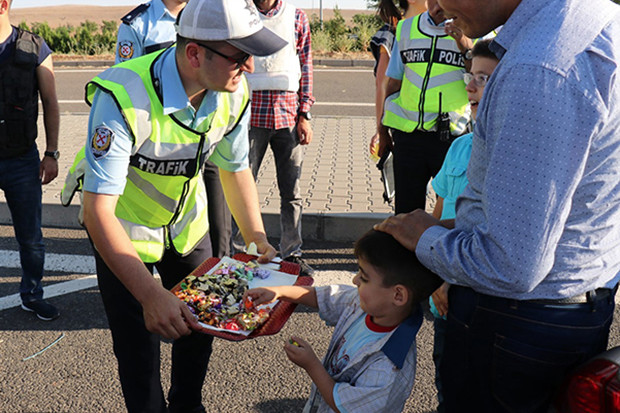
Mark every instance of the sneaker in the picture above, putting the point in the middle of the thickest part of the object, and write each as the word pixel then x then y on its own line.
pixel 43 309
pixel 304 269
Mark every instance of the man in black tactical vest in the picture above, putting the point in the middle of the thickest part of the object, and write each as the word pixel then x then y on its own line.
pixel 26 73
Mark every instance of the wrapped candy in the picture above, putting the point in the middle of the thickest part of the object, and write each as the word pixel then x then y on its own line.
pixel 216 298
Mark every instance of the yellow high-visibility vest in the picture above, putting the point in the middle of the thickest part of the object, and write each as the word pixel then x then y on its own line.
pixel 164 204
pixel 434 67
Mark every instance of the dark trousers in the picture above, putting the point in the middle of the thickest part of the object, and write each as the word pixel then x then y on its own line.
pixel 418 157
pixel 220 220
pixel 19 179
pixel 504 355
pixel 137 350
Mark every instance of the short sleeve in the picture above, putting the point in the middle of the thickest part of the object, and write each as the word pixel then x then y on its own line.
pixel 232 152
pixel 108 147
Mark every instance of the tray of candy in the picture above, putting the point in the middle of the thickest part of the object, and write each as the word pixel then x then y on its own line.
pixel 278 314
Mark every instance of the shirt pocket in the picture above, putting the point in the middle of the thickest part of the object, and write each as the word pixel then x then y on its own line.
pixel 457 179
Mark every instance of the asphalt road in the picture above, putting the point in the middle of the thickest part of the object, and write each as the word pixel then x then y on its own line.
pixel 78 373
pixel 338 91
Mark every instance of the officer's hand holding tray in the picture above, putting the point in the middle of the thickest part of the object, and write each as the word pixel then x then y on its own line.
pixel 214 294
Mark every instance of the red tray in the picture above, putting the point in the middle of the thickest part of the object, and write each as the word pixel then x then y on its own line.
pixel 278 315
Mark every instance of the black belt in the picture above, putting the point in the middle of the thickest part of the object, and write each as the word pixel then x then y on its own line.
pixel 587 297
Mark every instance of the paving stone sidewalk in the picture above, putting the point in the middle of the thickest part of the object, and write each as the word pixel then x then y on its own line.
pixel 340 184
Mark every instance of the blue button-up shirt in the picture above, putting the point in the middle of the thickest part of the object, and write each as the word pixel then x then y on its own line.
pixel 541 215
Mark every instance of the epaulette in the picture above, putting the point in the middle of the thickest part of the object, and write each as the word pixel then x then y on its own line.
pixel 129 17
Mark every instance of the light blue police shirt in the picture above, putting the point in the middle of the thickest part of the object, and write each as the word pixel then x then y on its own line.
pixel 107 174
pixel 152 27
pixel 540 218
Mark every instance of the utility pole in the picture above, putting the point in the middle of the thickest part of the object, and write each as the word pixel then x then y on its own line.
pixel 321 13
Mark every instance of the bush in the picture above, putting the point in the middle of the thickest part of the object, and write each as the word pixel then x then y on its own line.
pixel 88 38
pixel 321 42
pixel 343 43
pixel 365 27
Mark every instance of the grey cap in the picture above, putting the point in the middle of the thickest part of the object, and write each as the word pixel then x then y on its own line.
pixel 234 21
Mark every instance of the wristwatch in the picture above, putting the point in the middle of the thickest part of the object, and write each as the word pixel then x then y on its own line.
pixel 306 115
pixel 467 55
pixel 53 154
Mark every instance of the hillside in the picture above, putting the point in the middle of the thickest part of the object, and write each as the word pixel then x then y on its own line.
pixel 56 16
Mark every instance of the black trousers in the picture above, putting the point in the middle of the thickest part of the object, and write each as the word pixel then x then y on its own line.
pixel 137 349
pixel 220 219
pixel 418 157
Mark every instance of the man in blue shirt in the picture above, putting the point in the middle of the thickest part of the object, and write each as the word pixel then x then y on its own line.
pixel 534 256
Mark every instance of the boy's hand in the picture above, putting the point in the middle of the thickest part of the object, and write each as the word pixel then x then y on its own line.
pixel 300 352
pixel 261 295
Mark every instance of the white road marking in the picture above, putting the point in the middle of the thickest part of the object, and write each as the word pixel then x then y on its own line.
pixel 74 264
pixel 78 264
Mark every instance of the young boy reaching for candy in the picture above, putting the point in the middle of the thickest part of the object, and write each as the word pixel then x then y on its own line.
pixel 371 359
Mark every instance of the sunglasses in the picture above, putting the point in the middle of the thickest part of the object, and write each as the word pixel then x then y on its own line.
pixel 240 61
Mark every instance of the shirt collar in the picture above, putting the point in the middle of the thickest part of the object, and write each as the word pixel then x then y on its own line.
pixel 174 97
pixel 517 20
pixel 432 22
pixel 171 88
pixel 159 9
pixel 274 10
pixel 398 345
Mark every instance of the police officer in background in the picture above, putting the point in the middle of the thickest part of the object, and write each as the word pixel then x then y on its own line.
pixel 154 120
pixel 426 104
pixel 147 29
pixel 27 73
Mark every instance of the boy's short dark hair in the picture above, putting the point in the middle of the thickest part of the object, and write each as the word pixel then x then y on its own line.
pixel 396 264
pixel 481 49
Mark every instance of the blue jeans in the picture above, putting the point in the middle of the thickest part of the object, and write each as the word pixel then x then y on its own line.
pixel 288 157
pixel 504 355
pixel 19 179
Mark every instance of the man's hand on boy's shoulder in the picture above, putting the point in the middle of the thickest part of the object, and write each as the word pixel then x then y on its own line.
pixel 408 228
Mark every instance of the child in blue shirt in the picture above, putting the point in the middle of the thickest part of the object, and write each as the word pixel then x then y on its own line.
pixel 450 182
pixel 371 358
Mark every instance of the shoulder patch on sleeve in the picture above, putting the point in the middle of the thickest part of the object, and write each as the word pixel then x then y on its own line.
pixel 100 141
pixel 125 50
pixel 129 17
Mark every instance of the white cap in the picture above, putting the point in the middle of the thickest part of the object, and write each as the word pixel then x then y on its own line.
pixel 234 21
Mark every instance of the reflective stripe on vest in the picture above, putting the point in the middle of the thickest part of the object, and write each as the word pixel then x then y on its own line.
pixel 164 202
pixel 432 65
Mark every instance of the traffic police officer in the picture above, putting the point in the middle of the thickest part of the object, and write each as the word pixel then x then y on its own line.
pixel 154 120
pixel 427 103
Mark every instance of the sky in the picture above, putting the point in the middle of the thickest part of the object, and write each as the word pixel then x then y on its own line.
pixel 305 4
